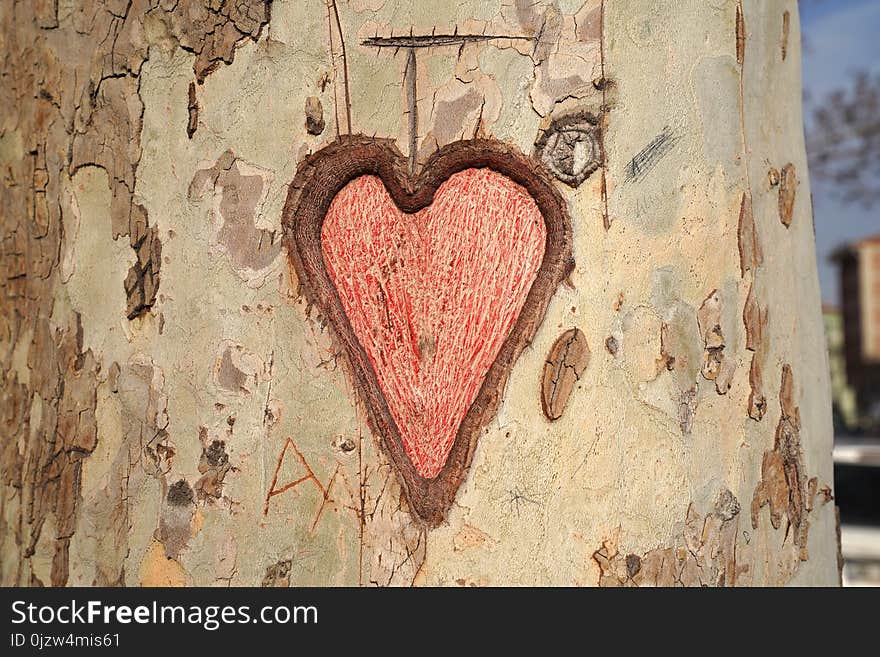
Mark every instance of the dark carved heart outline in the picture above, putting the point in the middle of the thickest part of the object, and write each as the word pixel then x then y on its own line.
pixel 317 182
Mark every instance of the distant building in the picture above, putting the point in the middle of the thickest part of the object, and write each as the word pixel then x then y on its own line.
pixel 860 303
pixel 846 416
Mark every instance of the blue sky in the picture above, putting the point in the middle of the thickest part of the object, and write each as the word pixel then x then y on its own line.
pixel 839 38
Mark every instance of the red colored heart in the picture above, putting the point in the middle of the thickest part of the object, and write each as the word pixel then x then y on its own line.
pixel 432 296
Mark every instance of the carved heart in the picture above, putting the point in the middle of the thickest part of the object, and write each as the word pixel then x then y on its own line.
pixel 432 296
pixel 432 286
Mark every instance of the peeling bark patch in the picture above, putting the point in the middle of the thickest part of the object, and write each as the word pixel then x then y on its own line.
pixel 229 376
pixel 106 131
pixel 687 408
pixel 237 370
pixel 755 319
pixel 215 455
pixel 633 565
pixel 248 246
pixel 750 254
pixel 213 30
pixel 812 489
pixel 53 418
pixel 278 574
pixel 159 569
pixel 344 445
pixel 567 360
pixel 451 115
pixel 681 354
pixel 239 191
pixel 647 158
pixel 611 345
pixel 566 51
pixel 727 506
pixel 213 466
pixel 193 109
pixel 470 537
pixel 180 493
pixel 142 281
pixel 93 61
pixel 570 148
pixel 757 399
pixel 146 451
pixel 716 367
pixel 175 523
pixel 787 188
pixel 314 116
pixel 703 554
pixel 783 485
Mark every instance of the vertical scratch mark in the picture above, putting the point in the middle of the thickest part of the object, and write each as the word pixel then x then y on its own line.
pixel 479 125
pixel 786 26
pixel 361 494
pixel 344 68
pixel 740 35
pixel 412 105
pixel 606 222
pixel 333 61
pixel 740 58
pixel 266 412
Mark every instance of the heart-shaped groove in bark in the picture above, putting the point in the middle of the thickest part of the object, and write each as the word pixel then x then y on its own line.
pixel 320 177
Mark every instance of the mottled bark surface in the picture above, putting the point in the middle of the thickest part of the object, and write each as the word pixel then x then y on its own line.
pixel 173 412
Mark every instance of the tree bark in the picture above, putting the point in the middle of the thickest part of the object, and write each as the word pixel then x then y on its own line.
pixel 179 408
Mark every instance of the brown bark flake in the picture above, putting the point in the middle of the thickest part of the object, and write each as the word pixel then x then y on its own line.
pixel 755 318
pixel 567 360
pixel 783 485
pixel 716 366
pixel 278 574
pixel 314 116
pixel 750 254
pixel 787 188
pixel 193 108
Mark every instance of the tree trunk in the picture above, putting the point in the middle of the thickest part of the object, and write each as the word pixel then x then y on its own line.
pixel 194 395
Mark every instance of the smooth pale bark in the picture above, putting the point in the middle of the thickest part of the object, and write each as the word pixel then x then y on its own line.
pixel 174 413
